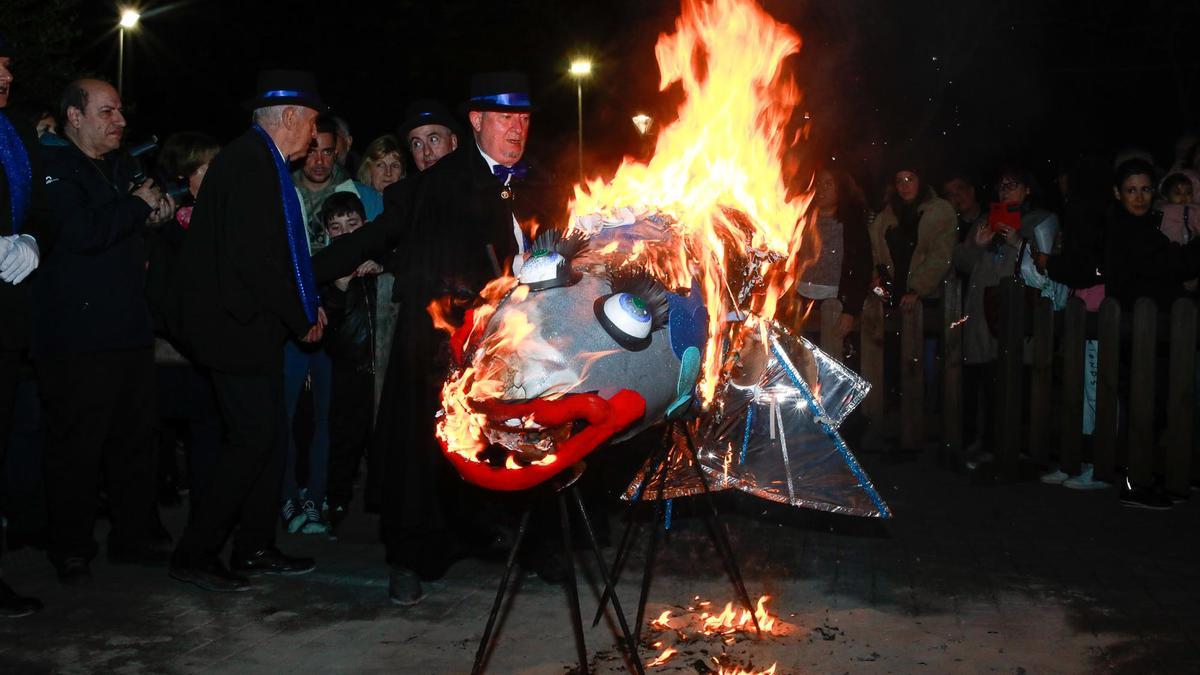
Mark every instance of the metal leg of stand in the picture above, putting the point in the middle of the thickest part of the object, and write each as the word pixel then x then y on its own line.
pixel 627 538
pixel 652 547
pixel 717 530
pixel 484 641
pixel 572 589
pixel 630 644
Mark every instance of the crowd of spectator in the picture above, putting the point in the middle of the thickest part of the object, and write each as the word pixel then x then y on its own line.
pixel 1119 226
pixel 227 320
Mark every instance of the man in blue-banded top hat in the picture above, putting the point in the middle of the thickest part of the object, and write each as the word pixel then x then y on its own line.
pixel 23 232
pixel 244 284
pixel 459 225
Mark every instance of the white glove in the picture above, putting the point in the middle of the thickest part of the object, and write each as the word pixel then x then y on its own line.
pixel 21 259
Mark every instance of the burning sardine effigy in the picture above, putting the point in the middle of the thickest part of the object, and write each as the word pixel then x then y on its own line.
pixel 657 301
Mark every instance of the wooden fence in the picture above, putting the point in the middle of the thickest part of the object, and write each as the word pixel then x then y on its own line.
pixel 1039 385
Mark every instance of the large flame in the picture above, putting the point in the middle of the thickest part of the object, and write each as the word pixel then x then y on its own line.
pixel 719 158
pixel 716 171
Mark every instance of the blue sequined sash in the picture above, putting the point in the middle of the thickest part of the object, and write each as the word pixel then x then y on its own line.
pixel 296 232
pixel 15 161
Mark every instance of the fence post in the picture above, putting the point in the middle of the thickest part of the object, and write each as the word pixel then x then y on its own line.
pixel 1042 380
pixel 1181 395
pixel 871 350
pixel 912 378
pixel 1141 392
pixel 952 364
pixel 1008 375
pixel 831 343
pixel 1104 437
pixel 1074 343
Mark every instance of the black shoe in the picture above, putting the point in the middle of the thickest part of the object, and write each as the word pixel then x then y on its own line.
pixel 152 552
pixel 270 560
pixel 14 606
pixel 1143 497
pixel 73 571
pixel 208 574
pixel 404 587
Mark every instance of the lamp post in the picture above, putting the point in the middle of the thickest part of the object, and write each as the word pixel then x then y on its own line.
pixel 580 68
pixel 641 122
pixel 129 19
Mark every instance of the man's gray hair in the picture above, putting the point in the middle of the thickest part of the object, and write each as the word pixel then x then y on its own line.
pixel 270 116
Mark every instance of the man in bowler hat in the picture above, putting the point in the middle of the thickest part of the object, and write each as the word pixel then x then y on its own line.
pixel 458 229
pixel 244 285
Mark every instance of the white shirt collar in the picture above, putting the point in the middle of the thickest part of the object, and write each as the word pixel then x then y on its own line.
pixel 492 164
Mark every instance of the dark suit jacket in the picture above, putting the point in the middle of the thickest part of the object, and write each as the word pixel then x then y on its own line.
pixel 233 300
pixel 89 293
pixel 15 301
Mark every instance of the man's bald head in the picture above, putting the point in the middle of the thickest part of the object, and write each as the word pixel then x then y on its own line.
pixel 90 112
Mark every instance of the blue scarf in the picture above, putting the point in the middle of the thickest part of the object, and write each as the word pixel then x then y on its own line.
pixel 296 232
pixel 15 161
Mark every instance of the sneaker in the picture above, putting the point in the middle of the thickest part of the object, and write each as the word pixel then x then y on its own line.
pixel 979 459
pixel 311 520
pixel 1085 480
pixel 288 512
pixel 404 588
pixel 1055 477
pixel 1143 498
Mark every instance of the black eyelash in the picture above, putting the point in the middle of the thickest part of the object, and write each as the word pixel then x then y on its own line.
pixel 568 247
pixel 637 281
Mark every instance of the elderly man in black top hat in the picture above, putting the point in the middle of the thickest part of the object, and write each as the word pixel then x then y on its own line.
pixel 456 228
pixel 23 230
pixel 244 284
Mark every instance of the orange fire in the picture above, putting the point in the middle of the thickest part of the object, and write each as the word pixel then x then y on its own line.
pixel 720 158
pixel 731 621
pixel 663 657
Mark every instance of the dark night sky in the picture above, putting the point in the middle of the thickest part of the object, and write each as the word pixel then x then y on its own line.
pixel 971 83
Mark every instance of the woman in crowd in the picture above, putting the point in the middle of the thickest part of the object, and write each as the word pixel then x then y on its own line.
pixel 913 238
pixel 835 261
pixel 383 163
pixel 987 256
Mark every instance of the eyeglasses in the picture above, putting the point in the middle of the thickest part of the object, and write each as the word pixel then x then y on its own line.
pixel 1008 185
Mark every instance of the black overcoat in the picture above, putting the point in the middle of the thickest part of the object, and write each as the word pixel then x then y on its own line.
pixel 89 293
pixel 15 300
pixel 233 300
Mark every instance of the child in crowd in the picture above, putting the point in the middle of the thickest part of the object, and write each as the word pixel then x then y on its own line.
pixel 350 342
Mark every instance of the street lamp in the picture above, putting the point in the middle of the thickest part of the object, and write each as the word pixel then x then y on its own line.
pixel 129 19
pixel 642 122
pixel 580 68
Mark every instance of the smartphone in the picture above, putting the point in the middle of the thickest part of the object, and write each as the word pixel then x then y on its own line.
pixel 1004 213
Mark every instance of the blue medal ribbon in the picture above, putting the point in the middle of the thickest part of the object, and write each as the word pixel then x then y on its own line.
pixel 297 235
pixel 15 161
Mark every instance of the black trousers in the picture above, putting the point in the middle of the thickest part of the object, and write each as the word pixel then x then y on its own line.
pixel 10 372
pixel 353 402
pixel 99 412
pixel 247 478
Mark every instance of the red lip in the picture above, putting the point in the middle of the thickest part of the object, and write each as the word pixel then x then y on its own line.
pixel 604 417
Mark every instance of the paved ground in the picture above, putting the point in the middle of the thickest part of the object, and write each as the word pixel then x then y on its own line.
pixel 1017 578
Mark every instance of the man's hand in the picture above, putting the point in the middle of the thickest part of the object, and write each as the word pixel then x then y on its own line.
pixel 983 235
pixel 20 257
pixel 909 300
pixel 368 268
pixel 148 193
pixel 318 329
pixel 164 211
